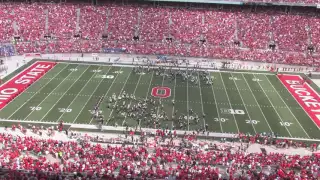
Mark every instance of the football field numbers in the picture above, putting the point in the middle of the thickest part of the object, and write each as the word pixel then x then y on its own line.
pixel 105 76
pixel 252 121
pixel 232 111
pixel 285 123
pixel 33 108
pixel 96 70
pixel 64 110
pixel 256 79
pixel 118 72
pixel 234 78
pixel 221 119
pixel 73 69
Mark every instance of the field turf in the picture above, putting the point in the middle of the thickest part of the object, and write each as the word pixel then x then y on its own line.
pixel 235 102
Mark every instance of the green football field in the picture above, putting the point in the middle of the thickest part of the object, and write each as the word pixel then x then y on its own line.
pixel 235 102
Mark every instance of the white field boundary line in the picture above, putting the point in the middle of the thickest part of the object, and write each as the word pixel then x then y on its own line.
pixel 234 117
pixel 298 102
pixel 257 103
pixel 134 92
pixel 92 95
pixel 234 81
pixel 139 125
pixel 272 106
pixel 288 108
pixel 36 92
pixel 118 95
pixel 63 93
pixel 165 67
pixel 94 74
pixel 120 129
pixel 28 86
pixel 215 100
pixel 200 89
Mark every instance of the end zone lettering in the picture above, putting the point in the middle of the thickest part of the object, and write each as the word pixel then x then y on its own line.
pixel 21 81
pixel 304 94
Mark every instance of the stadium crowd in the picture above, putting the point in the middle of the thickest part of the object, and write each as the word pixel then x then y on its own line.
pixel 259 34
pixel 162 155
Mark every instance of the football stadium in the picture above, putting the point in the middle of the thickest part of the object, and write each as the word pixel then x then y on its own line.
pixel 160 90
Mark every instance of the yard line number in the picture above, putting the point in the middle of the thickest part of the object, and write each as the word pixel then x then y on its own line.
pixel 252 121
pixel 105 76
pixel 73 69
pixel 221 119
pixel 234 78
pixel 35 108
pixel 256 79
pixel 64 110
pixel 285 123
pixel 96 70
pixel 232 111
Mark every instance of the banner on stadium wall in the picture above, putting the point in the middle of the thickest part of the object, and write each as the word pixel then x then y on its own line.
pixel 114 50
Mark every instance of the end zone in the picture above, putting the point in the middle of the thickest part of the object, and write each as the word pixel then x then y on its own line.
pixel 16 85
pixel 304 94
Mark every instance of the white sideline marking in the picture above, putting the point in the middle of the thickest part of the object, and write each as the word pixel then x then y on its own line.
pixel 87 126
pixel 288 108
pixel 78 93
pixel 273 106
pixel 35 93
pixel 257 103
pixel 234 117
pixel 243 104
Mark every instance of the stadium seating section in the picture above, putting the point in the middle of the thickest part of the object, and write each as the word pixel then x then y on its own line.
pixel 254 34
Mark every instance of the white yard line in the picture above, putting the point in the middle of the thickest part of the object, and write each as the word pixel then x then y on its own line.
pixel 36 92
pixel 224 86
pixel 160 98
pixel 117 97
pixel 288 107
pixel 148 91
pixel 79 92
pixel 93 93
pixel 60 96
pixel 204 120
pixel 188 116
pixel 244 105
pixel 299 103
pixel 272 105
pixel 174 98
pixel 215 100
pixel 257 103
pixel 134 92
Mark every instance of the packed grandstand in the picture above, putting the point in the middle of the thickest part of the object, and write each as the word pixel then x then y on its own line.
pixel 272 34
